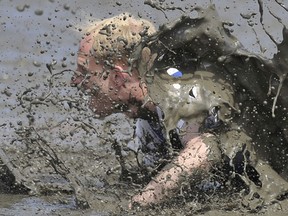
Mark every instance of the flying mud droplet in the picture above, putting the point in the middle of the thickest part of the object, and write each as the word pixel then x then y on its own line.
pixel 39 12
pixel 36 63
pixel 7 92
pixel 247 15
pixel 21 8
pixel 30 74
pixel 66 7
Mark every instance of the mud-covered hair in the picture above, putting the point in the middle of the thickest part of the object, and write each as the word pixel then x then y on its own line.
pixel 117 36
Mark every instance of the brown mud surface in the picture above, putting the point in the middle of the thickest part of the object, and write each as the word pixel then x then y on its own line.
pixel 53 149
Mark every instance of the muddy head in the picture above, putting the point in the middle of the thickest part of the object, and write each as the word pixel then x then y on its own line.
pixel 192 97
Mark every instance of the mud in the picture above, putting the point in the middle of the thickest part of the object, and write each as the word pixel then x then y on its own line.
pixel 53 145
pixel 209 46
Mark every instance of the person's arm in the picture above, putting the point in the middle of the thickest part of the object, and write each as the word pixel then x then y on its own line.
pixel 193 156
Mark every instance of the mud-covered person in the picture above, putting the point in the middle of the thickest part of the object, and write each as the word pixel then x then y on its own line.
pixel 103 73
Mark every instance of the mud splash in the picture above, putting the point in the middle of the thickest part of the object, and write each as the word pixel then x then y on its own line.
pixel 218 70
pixel 205 42
pixel 92 157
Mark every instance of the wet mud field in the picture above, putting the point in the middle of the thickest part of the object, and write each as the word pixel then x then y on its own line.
pixel 57 157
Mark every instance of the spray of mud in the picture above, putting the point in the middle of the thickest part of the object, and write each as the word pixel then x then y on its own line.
pixel 251 89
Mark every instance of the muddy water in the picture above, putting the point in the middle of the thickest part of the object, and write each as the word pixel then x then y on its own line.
pixel 36 34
